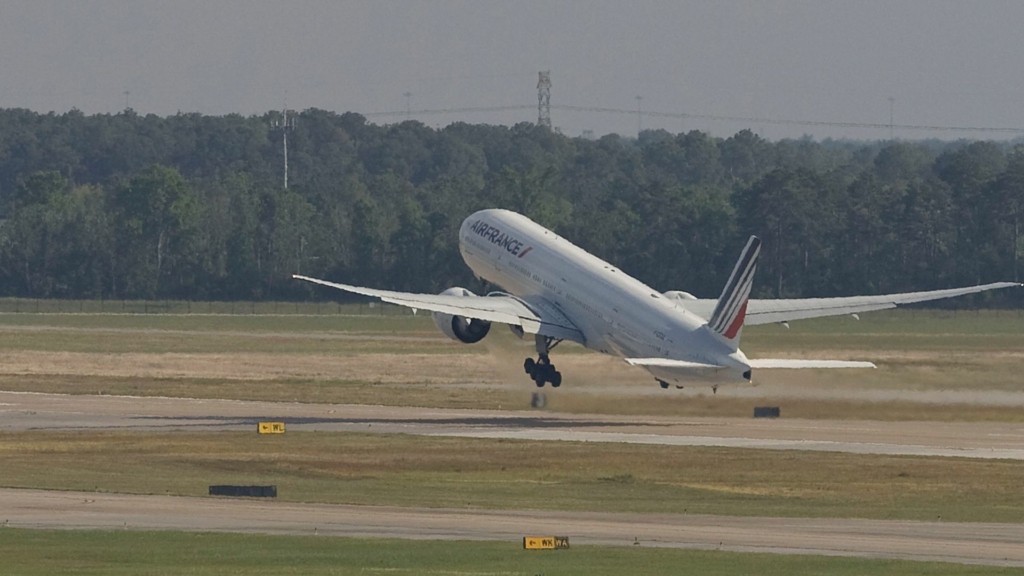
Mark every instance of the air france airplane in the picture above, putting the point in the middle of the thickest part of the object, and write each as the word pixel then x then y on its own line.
pixel 556 291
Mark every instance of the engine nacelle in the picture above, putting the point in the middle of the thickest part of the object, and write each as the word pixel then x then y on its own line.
pixel 465 330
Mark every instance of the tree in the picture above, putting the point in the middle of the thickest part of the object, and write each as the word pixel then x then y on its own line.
pixel 56 241
pixel 925 234
pixel 867 236
pixel 745 156
pixel 1007 196
pixel 189 205
pixel 533 193
pixel 970 172
pixel 790 210
pixel 156 234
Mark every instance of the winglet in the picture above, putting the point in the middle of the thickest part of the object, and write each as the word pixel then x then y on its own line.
pixel 727 318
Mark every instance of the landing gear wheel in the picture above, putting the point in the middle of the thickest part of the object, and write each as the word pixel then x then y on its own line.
pixel 538 379
pixel 542 373
pixel 556 378
pixel 542 370
pixel 529 365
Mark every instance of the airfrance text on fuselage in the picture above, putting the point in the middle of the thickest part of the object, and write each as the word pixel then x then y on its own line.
pixel 499 238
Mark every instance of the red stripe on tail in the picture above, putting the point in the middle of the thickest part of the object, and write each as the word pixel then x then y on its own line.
pixel 737 323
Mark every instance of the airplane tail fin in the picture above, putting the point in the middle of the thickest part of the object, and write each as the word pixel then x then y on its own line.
pixel 727 318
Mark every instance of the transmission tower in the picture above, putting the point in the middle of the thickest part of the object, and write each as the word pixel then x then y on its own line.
pixel 285 124
pixel 544 98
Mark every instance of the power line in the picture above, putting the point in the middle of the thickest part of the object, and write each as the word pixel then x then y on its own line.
pixel 465 110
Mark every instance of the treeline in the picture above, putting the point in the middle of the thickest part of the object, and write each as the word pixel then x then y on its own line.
pixel 194 207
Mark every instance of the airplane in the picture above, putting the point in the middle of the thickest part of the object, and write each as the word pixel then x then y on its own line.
pixel 554 291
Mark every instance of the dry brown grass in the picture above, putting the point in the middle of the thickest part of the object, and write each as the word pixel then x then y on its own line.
pixel 396 368
pixel 926 369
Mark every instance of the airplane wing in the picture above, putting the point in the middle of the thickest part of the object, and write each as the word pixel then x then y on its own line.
pixel 536 316
pixel 784 310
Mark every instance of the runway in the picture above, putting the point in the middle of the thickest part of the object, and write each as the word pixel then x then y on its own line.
pixel 967 543
pixel 973 543
pixel 984 440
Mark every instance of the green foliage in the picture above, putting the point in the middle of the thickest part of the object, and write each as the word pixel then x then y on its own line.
pixel 192 206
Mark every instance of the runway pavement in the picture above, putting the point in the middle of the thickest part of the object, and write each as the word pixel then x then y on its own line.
pixel 987 440
pixel 975 543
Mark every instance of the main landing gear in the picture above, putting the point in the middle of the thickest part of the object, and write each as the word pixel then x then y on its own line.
pixel 542 370
pixel 664 385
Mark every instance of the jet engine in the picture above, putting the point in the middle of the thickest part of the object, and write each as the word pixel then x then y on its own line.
pixel 465 330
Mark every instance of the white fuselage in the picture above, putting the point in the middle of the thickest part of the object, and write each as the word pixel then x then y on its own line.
pixel 616 313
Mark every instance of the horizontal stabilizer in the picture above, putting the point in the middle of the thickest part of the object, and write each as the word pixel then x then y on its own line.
pixel 788 363
pixel 669 363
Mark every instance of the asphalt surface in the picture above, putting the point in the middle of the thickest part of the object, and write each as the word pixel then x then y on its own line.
pixel 989 544
pixel 971 543
pixel 987 440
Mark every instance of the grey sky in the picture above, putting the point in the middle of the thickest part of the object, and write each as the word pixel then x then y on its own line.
pixel 944 63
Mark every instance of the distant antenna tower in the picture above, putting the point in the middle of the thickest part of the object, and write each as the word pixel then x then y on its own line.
pixel 285 124
pixel 544 98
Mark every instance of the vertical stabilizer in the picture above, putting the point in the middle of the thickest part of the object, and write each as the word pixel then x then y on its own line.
pixel 727 319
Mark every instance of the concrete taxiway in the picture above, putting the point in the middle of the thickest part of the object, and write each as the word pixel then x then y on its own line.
pixel 968 543
pixel 986 440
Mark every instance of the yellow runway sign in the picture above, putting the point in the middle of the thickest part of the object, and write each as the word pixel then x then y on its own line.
pixel 271 428
pixel 545 542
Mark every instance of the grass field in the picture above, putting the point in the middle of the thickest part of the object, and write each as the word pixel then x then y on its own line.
pixel 932 365
pixel 939 366
pixel 403 470
pixel 32 552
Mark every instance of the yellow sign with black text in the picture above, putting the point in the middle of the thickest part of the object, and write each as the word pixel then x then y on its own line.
pixel 271 428
pixel 545 542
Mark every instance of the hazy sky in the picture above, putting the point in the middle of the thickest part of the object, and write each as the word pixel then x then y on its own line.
pixel 943 63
